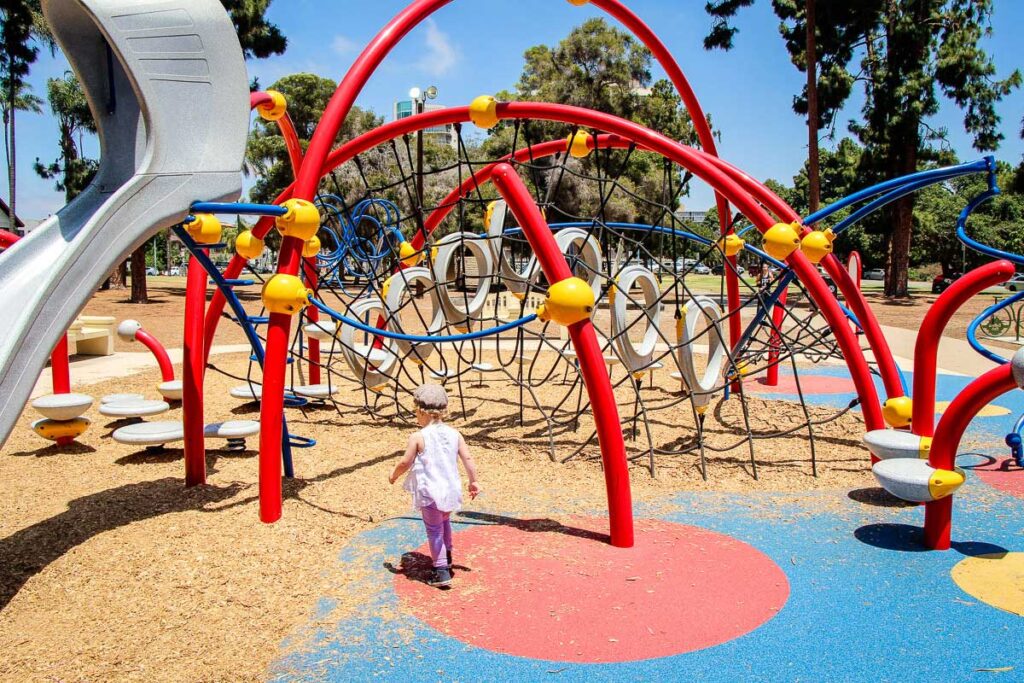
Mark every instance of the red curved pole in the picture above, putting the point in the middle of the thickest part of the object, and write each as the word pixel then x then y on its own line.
pixel 706 167
pixel 926 349
pixel 854 297
pixel 584 341
pixel 193 367
pixel 700 126
pixel 291 142
pixel 368 61
pixel 7 238
pixel 158 350
pixel 938 514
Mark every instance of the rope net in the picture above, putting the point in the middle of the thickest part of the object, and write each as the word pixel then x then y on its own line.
pixel 458 310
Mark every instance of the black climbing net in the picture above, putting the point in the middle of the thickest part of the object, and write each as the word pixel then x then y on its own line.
pixel 616 214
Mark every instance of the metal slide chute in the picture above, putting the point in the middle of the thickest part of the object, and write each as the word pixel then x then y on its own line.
pixel 167 85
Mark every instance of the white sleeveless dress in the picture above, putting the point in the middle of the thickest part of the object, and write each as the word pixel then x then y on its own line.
pixel 434 476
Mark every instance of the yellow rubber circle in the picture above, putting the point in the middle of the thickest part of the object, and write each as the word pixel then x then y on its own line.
pixel 996 579
pixel 991 410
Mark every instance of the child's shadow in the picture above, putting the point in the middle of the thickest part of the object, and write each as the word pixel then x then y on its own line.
pixel 419 567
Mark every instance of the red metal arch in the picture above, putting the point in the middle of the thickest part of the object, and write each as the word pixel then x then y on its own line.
pixel 720 176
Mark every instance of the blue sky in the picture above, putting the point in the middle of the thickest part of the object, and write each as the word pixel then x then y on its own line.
pixel 472 48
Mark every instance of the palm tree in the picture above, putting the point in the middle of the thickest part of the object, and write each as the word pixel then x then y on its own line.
pixel 18 97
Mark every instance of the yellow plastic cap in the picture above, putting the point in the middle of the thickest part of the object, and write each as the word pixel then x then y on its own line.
pixel 409 254
pixel 483 111
pixel 285 294
pixel 205 229
pixel 489 213
pixel 781 240
pixel 731 244
pixel 248 245
pixel 924 448
pixel 943 483
pixel 817 245
pixel 578 3
pixel 579 144
pixel 275 109
pixel 311 247
pixel 568 302
pixel 898 411
pixel 301 221
pixel 61 429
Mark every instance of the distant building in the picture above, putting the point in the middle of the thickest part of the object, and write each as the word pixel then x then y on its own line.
pixel 441 135
pixel 5 220
pixel 691 216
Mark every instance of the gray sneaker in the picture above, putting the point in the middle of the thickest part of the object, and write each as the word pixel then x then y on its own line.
pixel 442 577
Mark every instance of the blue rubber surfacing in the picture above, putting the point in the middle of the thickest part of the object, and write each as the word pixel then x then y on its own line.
pixel 866 601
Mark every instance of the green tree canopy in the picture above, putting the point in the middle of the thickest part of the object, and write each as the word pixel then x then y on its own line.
pixel 71 171
pixel 598 67
pixel 910 52
pixel 267 154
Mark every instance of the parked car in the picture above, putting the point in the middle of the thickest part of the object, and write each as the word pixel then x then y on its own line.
pixel 940 283
pixel 701 269
pixel 174 272
pixel 874 274
pixel 151 271
pixel 832 286
pixel 719 268
pixel 1016 283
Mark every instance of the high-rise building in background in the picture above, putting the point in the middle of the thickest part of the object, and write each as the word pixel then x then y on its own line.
pixel 440 135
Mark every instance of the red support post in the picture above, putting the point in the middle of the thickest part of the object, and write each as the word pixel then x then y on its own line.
pixel 272 401
pixel 60 371
pixel 193 368
pixel 775 342
pixel 312 315
pixel 60 368
pixel 938 515
pixel 926 349
pixel 584 341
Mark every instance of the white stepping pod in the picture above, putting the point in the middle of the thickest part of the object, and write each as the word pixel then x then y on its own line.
pixel 886 444
pixel 62 406
pixel 142 408
pixel 171 390
pixel 915 480
pixel 167 86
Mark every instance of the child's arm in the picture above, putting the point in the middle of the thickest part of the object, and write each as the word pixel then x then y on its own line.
pixel 415 446
pixel 467 462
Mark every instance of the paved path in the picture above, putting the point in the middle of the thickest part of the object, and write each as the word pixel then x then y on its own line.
pixel 86 370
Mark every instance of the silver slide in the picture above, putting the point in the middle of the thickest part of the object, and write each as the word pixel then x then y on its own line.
pixel 167 85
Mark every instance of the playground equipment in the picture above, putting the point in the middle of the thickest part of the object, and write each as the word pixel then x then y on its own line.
pixel 156 435
pixel 169 388
pixel 376 260
pixel 167 88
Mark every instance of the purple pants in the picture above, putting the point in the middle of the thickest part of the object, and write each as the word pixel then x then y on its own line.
pixel 439 533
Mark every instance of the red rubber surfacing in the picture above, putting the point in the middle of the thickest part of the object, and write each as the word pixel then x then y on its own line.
pixel 538 589
pixel 1003 475
pixel 809 384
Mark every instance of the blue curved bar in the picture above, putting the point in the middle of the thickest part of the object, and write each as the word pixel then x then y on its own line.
pixel 439 339
pixel 972 329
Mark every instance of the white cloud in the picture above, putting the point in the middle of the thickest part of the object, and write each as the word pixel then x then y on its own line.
pixel 343 45
pixel 441 54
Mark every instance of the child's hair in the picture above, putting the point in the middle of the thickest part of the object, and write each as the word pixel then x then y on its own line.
pixel 431 399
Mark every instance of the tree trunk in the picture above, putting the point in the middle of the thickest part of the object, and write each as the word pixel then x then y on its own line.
pixel 139 294
pixel 12 153
pixel 898 261
pixel 813 171
pixel 119 278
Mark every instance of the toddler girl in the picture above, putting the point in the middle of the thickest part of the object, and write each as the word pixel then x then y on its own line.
pixel 431 460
